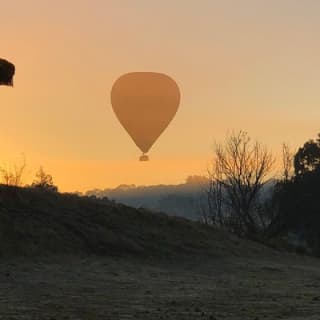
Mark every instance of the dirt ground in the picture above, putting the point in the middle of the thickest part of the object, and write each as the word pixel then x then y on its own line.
pixel 280 287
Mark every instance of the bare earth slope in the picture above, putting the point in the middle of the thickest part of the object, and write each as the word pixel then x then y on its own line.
pixel 68 258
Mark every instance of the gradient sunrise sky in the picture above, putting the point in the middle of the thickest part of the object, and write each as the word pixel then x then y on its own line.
pixel 241 64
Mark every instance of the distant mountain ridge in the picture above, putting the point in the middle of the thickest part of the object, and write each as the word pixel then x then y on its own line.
pixel 179 200
pixel 183 200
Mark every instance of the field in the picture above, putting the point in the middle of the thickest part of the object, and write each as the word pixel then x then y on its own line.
pixel 278 287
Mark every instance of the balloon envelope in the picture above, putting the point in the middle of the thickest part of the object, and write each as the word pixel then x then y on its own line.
pixel 145 103
pixel 7 70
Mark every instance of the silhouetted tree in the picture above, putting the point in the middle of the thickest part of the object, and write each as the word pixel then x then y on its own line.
pixel 297 198
pixel 44 181
pixel 287 162
pixel 214 212
pixel 12 174
pixel 240 169
pixel 308 157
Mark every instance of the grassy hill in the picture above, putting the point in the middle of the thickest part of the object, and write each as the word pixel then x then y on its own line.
pixel 35 222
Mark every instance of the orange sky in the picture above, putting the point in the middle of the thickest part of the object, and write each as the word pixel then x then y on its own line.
pixel 249 64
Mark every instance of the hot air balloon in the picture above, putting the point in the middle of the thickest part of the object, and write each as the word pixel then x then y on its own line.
pixel 7 70
pixel 145 103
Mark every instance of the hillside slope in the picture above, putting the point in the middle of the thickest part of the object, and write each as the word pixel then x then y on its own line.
pixel 34 222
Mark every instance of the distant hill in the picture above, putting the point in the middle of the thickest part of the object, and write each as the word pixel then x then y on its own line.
pixel 34 222
pixel 182 200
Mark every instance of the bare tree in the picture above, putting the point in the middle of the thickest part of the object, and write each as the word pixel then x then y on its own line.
pixel 203 213
pixel 272 209
pixel 214 195
pixel 12 174
pixel 287 162
pixel 240 169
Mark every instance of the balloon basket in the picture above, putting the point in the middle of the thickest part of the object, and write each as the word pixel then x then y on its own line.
pixel 7 70
pixel 144 157
pixel 6 83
